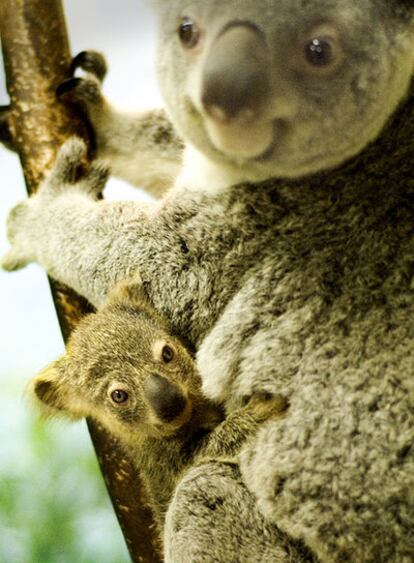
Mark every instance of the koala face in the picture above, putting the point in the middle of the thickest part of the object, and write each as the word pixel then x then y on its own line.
pixel 123 368
pixel 284 87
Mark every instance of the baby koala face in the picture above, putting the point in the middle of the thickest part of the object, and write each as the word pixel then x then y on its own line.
pixel 123 368
pixel 284 88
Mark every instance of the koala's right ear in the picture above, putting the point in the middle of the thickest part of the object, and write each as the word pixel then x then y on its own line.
pixel 49 390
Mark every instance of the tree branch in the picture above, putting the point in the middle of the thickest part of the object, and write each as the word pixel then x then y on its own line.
pixel 37 59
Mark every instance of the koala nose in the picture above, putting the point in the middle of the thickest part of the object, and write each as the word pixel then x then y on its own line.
pixel 165 398
pixel 236 75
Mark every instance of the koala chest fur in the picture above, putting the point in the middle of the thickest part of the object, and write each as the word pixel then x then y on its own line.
pixel 289 257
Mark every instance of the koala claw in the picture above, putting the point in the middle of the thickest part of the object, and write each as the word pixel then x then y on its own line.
pixel 67 86
pixel 6 136
pixel 83 91
pixel 91 62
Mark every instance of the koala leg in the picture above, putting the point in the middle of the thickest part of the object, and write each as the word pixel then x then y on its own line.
pixel 141 148
pixel 212 518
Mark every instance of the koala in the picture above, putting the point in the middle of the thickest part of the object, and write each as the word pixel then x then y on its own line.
pixel 124 368
pixel 283 252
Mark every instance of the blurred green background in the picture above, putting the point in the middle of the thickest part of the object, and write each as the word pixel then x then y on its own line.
pixel 53 506
pixel 53 503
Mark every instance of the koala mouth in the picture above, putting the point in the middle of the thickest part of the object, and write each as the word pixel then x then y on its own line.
pixel 242 139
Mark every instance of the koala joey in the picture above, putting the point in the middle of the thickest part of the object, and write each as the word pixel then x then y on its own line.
pixel 124 368
pixel 283 253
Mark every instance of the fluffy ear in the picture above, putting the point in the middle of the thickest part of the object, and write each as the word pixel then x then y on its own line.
pixel 50 392
pixel 130 294
pixel 129 290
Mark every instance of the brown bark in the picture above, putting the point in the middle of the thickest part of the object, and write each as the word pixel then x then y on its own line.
pixel 37 58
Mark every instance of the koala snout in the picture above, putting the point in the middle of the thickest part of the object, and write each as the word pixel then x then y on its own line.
pixel 236 90
pixel 236 74
pixel 166 400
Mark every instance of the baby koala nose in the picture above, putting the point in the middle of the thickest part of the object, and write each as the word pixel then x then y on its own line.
pixel 236 75
pixel 165 398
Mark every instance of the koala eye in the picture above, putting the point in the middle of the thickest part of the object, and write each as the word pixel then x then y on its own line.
pixel 319 52
pixel 189 33
pixel 167 354
pixel 119 396
pixel 322 49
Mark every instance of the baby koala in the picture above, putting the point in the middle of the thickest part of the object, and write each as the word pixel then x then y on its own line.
pixel 124 368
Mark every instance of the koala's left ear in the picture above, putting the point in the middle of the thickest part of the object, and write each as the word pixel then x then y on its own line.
pixel 131 293
pixel 49 389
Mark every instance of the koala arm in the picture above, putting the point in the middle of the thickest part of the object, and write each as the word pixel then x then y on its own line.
pixel 227 439
pixel 76 238
pixel 241 340
pixel 141 148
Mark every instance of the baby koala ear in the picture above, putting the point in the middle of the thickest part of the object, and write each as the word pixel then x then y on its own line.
pixel 48 389
pixel 130 293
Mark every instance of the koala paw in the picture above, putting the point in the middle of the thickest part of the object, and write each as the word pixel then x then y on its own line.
pixel 263 406
pixel 72 169
pixel 82 91
pixel 26 222
pixel 85 91
pixel 13 261
pixel 19 237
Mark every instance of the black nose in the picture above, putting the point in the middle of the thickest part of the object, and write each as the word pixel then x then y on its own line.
pixel 165 398
pixel 236 75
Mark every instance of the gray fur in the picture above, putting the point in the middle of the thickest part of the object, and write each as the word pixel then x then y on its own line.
pixel 213 518
pixel 142 148
pixel 290 273
pixel 121 348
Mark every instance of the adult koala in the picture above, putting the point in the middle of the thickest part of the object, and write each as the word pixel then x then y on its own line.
pixel 284 254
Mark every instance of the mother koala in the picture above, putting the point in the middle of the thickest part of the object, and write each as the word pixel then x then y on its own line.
pixel 284 253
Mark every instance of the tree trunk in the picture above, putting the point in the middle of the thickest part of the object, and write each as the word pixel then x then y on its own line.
pixel 37 58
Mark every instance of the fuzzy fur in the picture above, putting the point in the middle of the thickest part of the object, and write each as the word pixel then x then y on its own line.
pixel 295 280
pixel 120 348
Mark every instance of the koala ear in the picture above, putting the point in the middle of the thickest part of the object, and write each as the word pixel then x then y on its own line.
pixel 131 294
pixel 130 290
pixel 48 389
